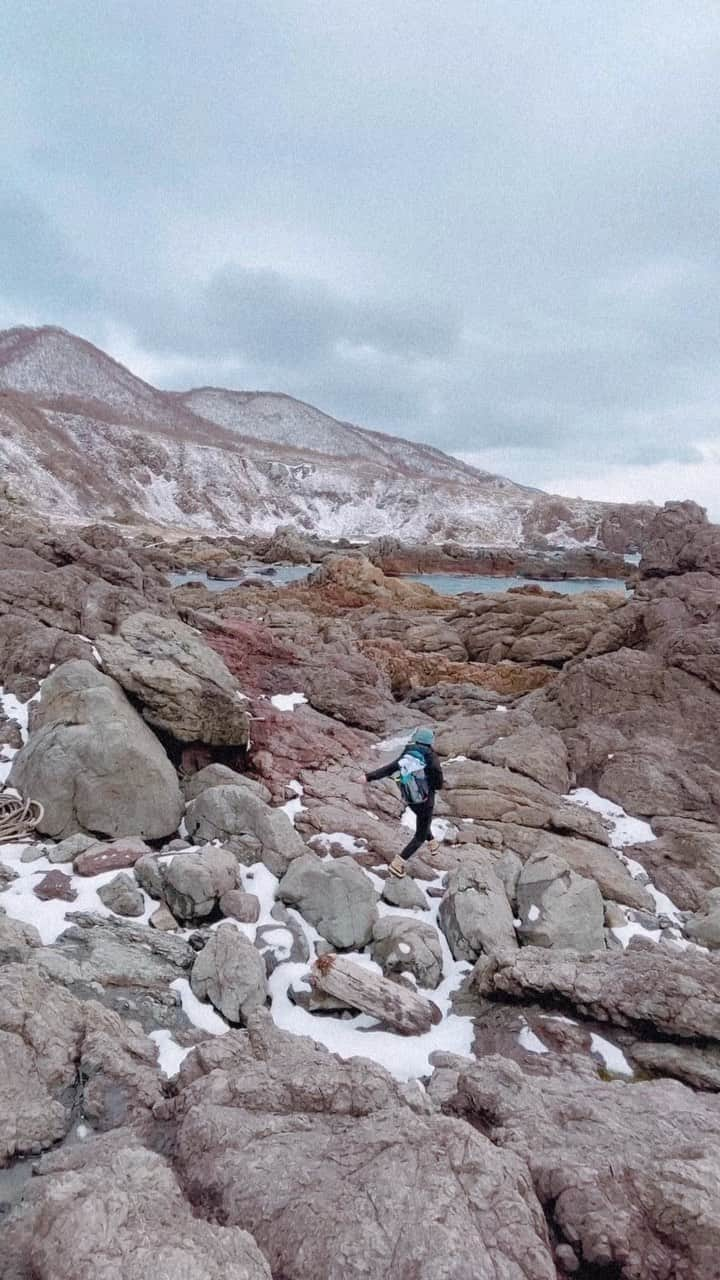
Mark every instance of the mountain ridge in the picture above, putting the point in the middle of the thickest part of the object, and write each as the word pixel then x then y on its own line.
pixel 101 442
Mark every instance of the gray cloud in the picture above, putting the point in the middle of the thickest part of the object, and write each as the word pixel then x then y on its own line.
pixel 496 233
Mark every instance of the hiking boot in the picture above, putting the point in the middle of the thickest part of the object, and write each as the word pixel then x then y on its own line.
pixel 397 867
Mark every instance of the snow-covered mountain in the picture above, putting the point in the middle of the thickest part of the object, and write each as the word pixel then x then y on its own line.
pixel 85 438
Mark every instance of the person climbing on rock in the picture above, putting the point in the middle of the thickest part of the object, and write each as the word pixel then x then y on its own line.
pixel 418 774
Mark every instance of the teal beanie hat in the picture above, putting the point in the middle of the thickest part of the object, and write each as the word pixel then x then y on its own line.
pixel 423 736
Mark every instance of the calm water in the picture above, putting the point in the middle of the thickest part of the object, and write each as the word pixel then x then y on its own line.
pixel 452 584
pixel 448 584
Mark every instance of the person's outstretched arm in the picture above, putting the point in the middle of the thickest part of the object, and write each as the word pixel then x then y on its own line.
pixel 385 772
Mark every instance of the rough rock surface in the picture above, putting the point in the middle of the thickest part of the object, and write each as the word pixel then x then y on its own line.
pixel 276 1111
pixel 337 898
pixel 475 914
pixel 110 1207
pixel 676 992
pixel 400 945
pixel 93 763
pixel 183 686
pixel 122 896
pixel 643 1201
pixel 704 926
pixel 257 832
pixel 559 908
pixel 230 974
pixel 56 1052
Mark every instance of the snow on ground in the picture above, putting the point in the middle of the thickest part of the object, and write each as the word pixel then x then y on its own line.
pixel 51 918
pixel 351 844
pixel 170 1053
pixel 625 830
pixel 294 806
pixel 287 701
pixel 528 1040
pixel 201 1014
pixel 612 1057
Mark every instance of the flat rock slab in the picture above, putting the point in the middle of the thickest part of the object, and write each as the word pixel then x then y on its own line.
pixel 110 855
pixel 55 885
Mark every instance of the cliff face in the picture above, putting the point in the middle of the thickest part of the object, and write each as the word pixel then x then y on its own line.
pixel 87 438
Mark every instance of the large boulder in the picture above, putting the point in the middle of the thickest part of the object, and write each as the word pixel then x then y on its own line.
pixel 93 763
pixel 257 832
pixel 400 945
pixel 229 972
pixel 336 897
pixel 183 686
pixel 559 908
pixel 475 913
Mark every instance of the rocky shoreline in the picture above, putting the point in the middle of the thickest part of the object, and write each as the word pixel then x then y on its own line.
pixel 184 1097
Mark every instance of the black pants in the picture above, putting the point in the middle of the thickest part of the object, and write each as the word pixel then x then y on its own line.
pixel 423 817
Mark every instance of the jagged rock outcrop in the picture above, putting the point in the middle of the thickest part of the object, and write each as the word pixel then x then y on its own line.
pixel 111 1207
pixel 642 1201
pixel 676 992
pixel 268 1113
pixel 230 974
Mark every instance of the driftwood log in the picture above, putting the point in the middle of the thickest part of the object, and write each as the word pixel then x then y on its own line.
pixel 360 988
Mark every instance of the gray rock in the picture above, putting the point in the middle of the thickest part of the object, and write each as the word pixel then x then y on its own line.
pixel 127 967
pixel 404 893
pixel 34 852
pixel 559 908
pixel 122 896
pixel 67 850
pixel 17 940
pixel 704 925
pixel 194 883
pixel 676 992
pixel 241 906
pixel 475 914
pixel 62 1231
pixel 230 974
pixel 184 687
pixel 626 1172
pixel 257 1115
pixel 148 873
pixel 219 775
pixel 336 897
pixel 231 813
pixel 7 875
pixel 162 918
pixel 698 1067
pixel 93 763
pixel 400 945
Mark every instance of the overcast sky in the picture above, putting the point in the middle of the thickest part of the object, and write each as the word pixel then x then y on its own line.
pixel 489 224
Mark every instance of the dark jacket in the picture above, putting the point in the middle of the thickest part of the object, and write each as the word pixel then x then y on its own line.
pixel 432 768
